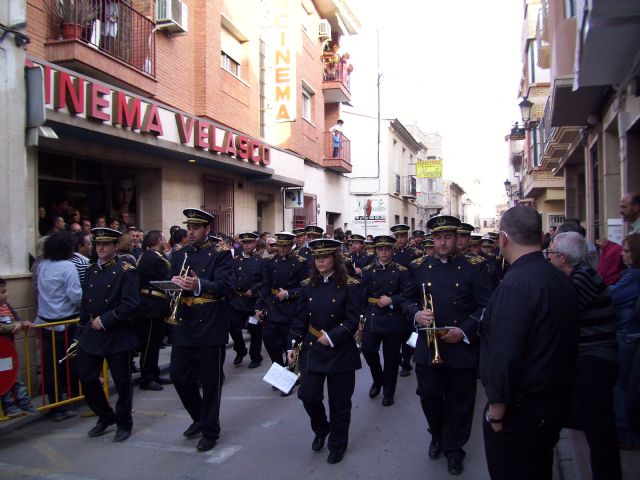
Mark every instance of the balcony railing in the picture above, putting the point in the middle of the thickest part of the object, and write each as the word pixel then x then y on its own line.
pixel 409 186
pixel 337 145
pixel 336 68
pixel 112 26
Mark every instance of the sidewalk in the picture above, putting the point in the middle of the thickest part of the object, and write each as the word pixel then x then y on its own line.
pixel 572 458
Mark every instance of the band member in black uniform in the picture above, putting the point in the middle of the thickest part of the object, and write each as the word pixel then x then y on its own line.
pixel 460 287
pixel 464 237
pixel 282 276
pixel 247 283
pixel 475 243
pixel 417 237
pixel 386 285
pixel 428 246
pixel 403 255
pixel 300 240
pixel 106 331
pixel 494 264
pixel 326 320
pixel 370 248
pixel 357 256
pixel 311 233
pixel 199 339
pixel 153 309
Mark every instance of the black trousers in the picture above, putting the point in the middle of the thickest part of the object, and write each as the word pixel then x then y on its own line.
pixel 592 407
pixel 150 331
pixel 89 368
pixel 525 454
pixel 192 367
pixel 237 322
pixel 447 396
pixel 406 351
pixel 340 387
pixel 391 352
pixel 275 341
pixel 67 379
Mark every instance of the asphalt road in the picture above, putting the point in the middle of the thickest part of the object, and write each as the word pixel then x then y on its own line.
pixel 264 436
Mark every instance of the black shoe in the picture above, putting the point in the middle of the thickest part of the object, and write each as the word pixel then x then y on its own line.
pixel 206 443
pixel 238 360
pixel 121 435
pixel 374 391
pixel 153 386
pixel 434 449
pixel 318 442
pixel 454 465
pixel 254 364
pixel 192 432
pixel 334 457
pixel 405 372
pixel 163 381
pixel 288 394
pixel 100 428
pixel 387 401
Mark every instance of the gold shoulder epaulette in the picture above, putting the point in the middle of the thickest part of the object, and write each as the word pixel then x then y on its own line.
pixel 353 281
pixel 418 261
pixel 474 259
pixel 300 258
pixel 222 247
pixel 127 266
pixel 305 282
pixel 401 268
pixel 368 267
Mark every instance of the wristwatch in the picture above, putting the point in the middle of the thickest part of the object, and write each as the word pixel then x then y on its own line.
pixel 490 419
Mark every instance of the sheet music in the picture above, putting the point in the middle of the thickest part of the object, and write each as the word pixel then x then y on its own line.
pixel 281 378
pixel 166 285
pixel 252 320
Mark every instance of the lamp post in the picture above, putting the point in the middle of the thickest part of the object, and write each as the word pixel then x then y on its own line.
pixel 525 110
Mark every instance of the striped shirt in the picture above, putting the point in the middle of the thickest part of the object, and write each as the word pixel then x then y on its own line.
pixel 597 319
pixel 81 262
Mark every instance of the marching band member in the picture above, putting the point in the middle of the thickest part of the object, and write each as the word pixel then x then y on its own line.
pixel 326 320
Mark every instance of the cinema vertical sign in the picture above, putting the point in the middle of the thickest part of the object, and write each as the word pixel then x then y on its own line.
pixel 284 62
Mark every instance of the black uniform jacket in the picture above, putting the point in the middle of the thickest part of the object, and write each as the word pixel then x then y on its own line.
pixel 202 319
pixel 460 289
pixel 335 310
pixel 287 273
pixel 404 256
pixel 153 266
pixel 393 281
pixel 247 276
pixel 111 292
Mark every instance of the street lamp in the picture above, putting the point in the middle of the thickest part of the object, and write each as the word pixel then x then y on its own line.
pixel 525 110
pixel 507 186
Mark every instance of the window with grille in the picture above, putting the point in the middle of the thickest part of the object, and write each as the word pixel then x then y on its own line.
pixel 555 220
pixel 218 200
pixel 231 52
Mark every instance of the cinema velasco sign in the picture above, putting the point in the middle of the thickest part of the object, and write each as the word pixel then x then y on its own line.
pixel 88 98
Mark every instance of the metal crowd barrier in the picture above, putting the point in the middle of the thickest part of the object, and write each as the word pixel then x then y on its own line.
pixel 63 394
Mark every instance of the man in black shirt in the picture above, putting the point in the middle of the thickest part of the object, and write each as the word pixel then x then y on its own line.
pixel 527 354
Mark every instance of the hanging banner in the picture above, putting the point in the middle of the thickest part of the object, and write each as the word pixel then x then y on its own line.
pixel 284 62
pixel 429 169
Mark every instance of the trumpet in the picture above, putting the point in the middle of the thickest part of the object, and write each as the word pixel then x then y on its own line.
pixel 72 352
pixel 295 366
pixel 176 295
pixel 431 332
pixel 358 335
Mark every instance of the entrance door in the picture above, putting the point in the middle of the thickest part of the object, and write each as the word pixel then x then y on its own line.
pixel 218 200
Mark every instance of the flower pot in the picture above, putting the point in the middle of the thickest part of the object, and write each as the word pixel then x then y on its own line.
pixel 71 30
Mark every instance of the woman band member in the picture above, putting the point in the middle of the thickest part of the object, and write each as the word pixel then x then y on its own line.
pixel 326 319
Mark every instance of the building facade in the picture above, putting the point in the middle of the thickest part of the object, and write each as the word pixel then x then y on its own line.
pixel 150 109
pixel 383 174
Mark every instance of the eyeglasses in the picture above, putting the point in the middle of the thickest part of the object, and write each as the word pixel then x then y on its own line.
pixel 549 252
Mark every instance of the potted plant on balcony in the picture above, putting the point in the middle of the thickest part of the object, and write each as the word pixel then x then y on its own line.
pixel 72 16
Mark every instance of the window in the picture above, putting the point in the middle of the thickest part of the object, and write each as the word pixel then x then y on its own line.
pixel 307 104
pixel 555 220
pixel 397 217
pixel 570 8
pixel 532 62
pixel 231 49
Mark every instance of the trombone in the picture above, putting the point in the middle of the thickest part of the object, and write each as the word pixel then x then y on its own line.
pixel 432 331
pixel 176 295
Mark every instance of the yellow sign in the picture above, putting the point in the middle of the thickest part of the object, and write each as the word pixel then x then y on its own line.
pixel 429 169
pixel 284 63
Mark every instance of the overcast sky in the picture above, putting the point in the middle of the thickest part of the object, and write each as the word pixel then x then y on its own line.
pixel 452 66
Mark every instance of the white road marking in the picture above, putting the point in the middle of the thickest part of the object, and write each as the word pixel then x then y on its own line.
pixel 250 397
pixel 219 456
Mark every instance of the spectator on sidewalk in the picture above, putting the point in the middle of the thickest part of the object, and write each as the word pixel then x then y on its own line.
pixel 629 209
pixel 597 364
pixel 527 354
pixel 81 254
pixel 610 264
pixel 625 297
pixel 17 400
pixel 125 246
pixel 59 298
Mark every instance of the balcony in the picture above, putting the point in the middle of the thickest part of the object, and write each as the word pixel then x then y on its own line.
pixel 336 77
pixel 408 187
pixel 542 37
pixel 337 152
pixel 555 140
pixel 103 38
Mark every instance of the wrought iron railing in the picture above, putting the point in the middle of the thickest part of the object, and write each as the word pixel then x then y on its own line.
pixel 112 26
pixel 337 145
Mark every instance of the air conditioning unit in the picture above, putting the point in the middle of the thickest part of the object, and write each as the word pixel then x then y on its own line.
pixel 172 16
pixel 324 29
